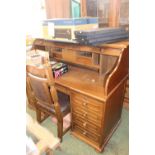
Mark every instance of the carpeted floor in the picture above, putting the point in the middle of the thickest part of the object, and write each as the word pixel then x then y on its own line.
pixel 118 144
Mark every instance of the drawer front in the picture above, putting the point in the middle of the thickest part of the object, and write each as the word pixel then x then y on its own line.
pixel 87 101
pixel 87 117
pixel 86 134
pixel 87 108
pixel 87 113
pixel 87 104
pixel 83 107
pixel 86 125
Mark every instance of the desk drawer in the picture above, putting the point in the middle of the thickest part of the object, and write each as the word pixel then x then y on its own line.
pixel 83 107
pixel 86 134
pixel 87 116
pixel 87 109
pixel 86 125
pixel 86 102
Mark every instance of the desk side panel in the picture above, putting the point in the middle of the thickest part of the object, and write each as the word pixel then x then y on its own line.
pixel 113 111
pixel 119 72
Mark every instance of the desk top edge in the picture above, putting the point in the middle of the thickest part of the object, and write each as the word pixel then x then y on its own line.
pixel 118 44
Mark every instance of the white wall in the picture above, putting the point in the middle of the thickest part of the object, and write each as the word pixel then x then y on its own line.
pixel 34 17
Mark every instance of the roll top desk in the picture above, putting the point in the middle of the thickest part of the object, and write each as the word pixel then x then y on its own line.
pixel 95 83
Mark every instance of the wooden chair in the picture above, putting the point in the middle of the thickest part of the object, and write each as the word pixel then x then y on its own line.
pixel 49 101
pixel 30 94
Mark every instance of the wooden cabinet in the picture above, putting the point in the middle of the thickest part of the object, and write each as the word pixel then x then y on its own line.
pixel 94 121
pixel 87 117
pixel 89 109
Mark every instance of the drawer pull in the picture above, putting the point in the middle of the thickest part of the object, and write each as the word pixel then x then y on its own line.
pixel 85 114
pixel 84 103
pixel 85 124
pixel 85 98
pixel 84 133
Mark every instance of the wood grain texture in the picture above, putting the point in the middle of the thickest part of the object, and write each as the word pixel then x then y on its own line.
pixel 113 109
pixel 114 13
pixel 119 72
pixel 30 94
pixel 83 8
pixel 126 96
pixel 57 9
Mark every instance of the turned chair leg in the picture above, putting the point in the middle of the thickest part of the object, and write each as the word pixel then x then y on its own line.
pixel 38 113
pixel 60 130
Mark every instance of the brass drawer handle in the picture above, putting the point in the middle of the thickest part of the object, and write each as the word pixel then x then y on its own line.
pixel 85 124
pixel 84 133
pixel 84 103
pixel 85 114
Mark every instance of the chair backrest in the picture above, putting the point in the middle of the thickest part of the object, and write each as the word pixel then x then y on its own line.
pixel 41 79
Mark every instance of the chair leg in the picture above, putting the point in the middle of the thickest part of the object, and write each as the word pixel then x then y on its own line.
pixel 60 130
pixel 38 113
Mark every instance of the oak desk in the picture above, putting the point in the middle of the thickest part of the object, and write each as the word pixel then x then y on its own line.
pixel 95 83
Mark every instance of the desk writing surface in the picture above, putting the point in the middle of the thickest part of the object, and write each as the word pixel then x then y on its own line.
pixel 83 81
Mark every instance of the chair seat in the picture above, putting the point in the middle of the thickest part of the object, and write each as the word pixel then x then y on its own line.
pixel 64 102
